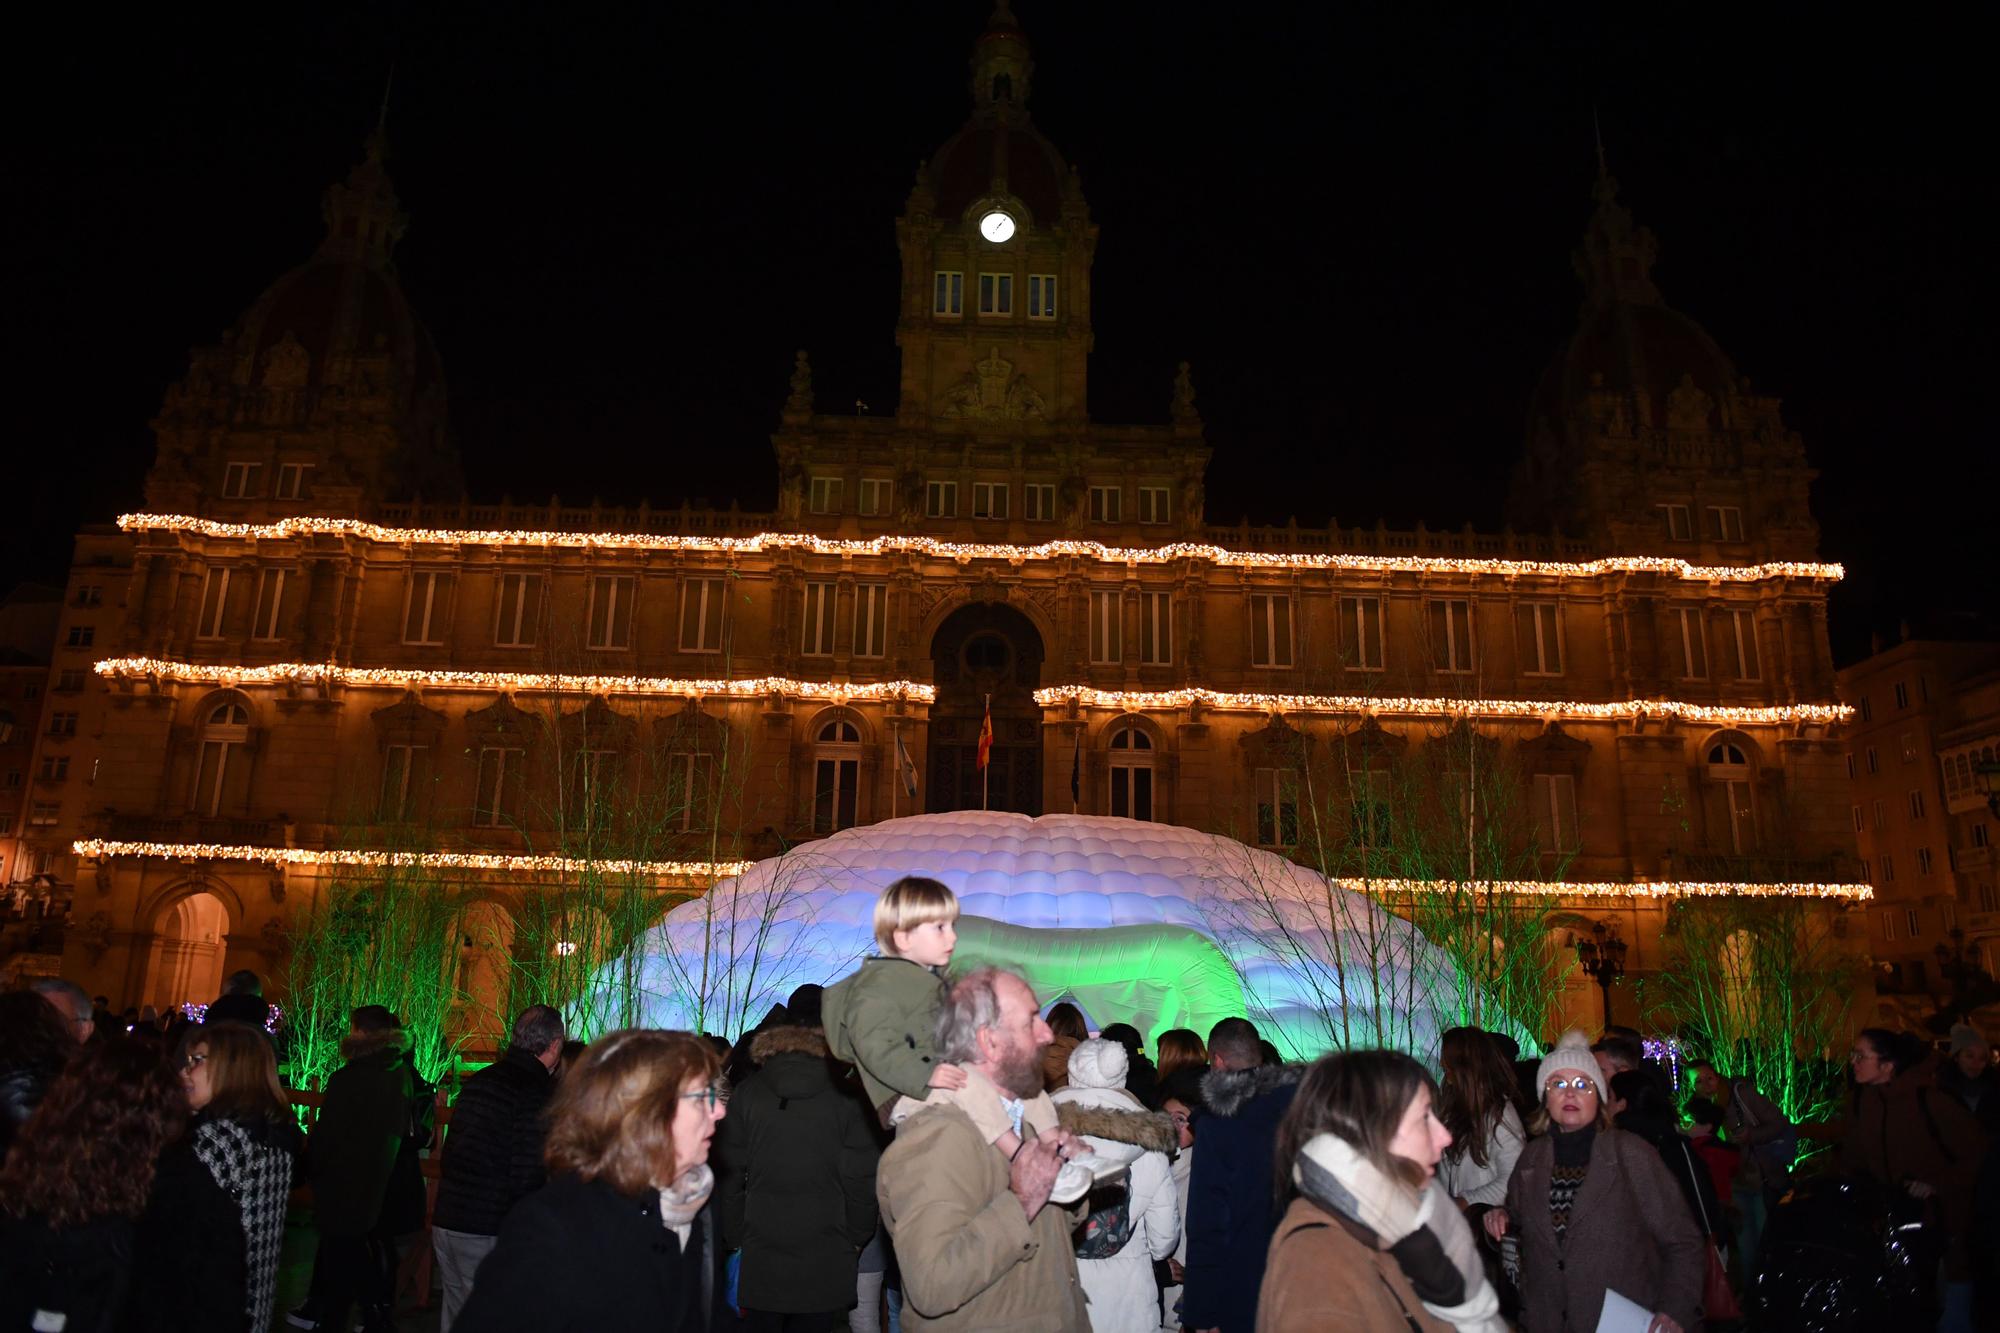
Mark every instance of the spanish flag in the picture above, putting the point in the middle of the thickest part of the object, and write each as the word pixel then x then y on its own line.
pixel 986 734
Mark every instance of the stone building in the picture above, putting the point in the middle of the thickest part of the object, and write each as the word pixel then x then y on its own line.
pixel 294 656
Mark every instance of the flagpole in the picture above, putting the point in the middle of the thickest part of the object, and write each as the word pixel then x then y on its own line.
pixel 986 769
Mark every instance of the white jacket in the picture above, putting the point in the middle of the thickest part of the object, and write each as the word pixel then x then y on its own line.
pixel 1466 1179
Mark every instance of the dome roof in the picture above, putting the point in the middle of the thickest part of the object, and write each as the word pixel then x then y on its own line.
pixel 1152 924
pixel 336 307
pixel 965 169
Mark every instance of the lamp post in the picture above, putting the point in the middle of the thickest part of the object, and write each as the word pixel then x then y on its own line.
pixel 1602 958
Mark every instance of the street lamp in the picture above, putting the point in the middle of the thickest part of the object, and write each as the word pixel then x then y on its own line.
pixel 1602 958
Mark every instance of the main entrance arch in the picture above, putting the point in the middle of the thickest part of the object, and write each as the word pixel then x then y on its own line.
pixel 981 651
pixel 186 961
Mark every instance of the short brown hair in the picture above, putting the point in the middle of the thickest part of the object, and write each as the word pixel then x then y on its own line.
pixel 612 1117
pixel 242 1070
pixel 1358 1096
pixel 910 902
pixel 1181 1048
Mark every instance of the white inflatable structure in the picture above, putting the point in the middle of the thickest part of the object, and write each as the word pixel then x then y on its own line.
pixel 1149 924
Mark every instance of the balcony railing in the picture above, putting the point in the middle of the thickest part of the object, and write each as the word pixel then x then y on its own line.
pixel 1731 867
pixel 191 828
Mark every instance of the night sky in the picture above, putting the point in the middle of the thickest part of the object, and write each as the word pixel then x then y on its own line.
pixel 1355 221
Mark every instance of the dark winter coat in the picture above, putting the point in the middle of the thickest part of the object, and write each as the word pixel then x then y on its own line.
pixel 83 1272
pixel 249 1010
pixel 21 1089
pixel 355 1143
pixel 1685 1166
pixel 796 1178
pixel 1629 1230
pixel 1909 1130
pixel 493 1149
pixel 577 1256
pixel 1230 1214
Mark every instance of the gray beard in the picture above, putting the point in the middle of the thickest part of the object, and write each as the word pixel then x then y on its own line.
pixel 1019 1074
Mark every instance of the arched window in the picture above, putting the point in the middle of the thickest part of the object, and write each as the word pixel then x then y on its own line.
pixel 836 776
pixel 1132 773
pixel 219 777
pixel 1731 808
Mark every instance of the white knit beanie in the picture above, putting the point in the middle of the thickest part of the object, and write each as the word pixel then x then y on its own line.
pixel 1098 1063
pixel 1571 1055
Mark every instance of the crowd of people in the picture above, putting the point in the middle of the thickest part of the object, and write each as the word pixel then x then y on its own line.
pixel 922 1150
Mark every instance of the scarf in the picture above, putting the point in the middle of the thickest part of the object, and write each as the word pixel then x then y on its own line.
pixel 1421 1229
pixel 682 1200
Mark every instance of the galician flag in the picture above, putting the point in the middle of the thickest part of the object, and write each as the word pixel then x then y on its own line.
pixel 906 767
pixel 986 734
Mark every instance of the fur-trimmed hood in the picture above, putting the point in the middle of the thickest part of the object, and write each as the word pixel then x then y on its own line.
pixel 1227 1091
pixel 1147 1129
pixel 788 1039
pixel 361 1045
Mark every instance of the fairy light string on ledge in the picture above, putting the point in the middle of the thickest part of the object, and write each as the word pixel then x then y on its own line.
pixel 963 552
pixel 104 848
pixel 326 675
pixel 1391 889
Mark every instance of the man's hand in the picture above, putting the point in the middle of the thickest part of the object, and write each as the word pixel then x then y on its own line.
pixel 1032 1173
pixel 1663 1324
pixel 946 1076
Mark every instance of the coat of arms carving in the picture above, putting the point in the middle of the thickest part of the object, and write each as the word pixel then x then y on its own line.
pixel 991 391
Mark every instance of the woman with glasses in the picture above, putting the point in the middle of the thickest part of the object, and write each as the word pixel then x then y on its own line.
pixel 215 1222
pixel 621 1237
pixel 1594 1211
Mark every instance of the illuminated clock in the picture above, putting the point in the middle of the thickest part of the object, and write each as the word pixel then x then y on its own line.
pixel 996 226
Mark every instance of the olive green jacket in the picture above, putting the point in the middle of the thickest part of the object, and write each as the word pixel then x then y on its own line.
pixel 882 1020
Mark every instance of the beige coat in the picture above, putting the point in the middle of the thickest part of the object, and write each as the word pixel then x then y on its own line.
pixel 971 1260
pixel 1320 1276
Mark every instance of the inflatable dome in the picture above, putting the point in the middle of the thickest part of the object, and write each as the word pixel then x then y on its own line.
pixel 1149 924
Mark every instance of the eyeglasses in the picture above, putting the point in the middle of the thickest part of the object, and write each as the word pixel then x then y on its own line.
pixel 1571 1084
pixel 194 1061
pixel 711 1094
pixel 1178 1117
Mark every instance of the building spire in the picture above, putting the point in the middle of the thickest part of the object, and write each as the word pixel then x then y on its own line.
pixel 1002 68
pixel 1615 261
pixel 364 219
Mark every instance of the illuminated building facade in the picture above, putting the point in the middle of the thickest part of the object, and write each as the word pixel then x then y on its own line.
pixel 292 654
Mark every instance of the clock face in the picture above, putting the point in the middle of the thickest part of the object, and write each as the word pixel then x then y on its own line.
pixel 996 226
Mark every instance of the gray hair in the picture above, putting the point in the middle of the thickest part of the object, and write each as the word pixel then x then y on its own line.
pixel 538 1025
pixel 972 1003
pixel 66 994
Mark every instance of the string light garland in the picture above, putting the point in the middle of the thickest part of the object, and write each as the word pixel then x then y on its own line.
pixel 103 848
pixel 964 552
pixel 1381 888
pixel 322 675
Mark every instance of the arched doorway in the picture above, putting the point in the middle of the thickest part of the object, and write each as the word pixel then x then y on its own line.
pixel 186 962
pixel 986 649
pixel 486 945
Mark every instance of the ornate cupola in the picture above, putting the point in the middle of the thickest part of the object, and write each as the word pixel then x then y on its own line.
pixel 1643 437
pixel 327 395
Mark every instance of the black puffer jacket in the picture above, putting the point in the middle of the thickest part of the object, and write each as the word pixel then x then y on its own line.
pixel 355 1144
pixel 796 1166
pixel 493 1148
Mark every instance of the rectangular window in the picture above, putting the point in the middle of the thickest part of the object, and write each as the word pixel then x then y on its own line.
pixel 816 635
pixel 1277 807
pixel 1107 627
pixel 55 768
pixel 1361 633
pixel 1888 868
pixel 239 480
pixel 871 619
pixel 836 784
pixel 1555 812
pixel 1979 834
pixel 62 724
pixel 270 604
pixel 1867 712
pixel 1858 821
pixel 1104 504
pixel 81 636
pixel 399 768
pixel 875 493
pixel 214 604
pixel 1914 921
pixel 89 594
pixel 1368 793
pixel 1923 860
pixel 989 499
pixel 701 616
pixel 1040 503
pixel 292 478
pixel 1743 632
pixel 1902 695
pixel 1539 631
pixel 6 827
pixel 500 773
pixel 1451 635
pixel 1692 648
pixel 825 497
pixel 1156 628
pixel 518 613
pixel 1153 504
pixel 948 296
pixel 941 499
pixel 69 681
pixel 996 297
pixel 1132 792
pixel 1270 629
pixel 1850 768
pixel 44 814
pixel 1889 924
pixel 1908 742
pixel 1041 296
pixel 1725 523
pixel 611 598
pixel 424 606
pixel 1916 805
pixel 1881 817
pixel 1679 525
pixel 1874 760
pixel 691 794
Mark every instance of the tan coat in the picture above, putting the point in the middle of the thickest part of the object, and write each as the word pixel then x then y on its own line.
pixel 1321 1276
pixel 1630 1230
pixel 971 1260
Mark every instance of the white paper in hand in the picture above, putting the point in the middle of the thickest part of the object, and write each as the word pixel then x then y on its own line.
pixel 1622 1315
